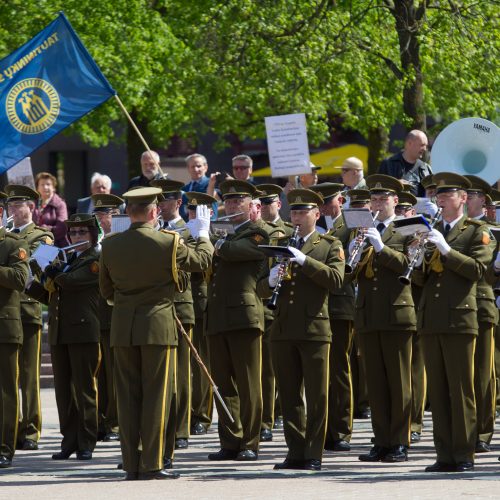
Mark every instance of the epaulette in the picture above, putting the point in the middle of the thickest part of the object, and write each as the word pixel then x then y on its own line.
pixel 328 237
pixel 289 224
pixel 476 222
pixel 168 231
pixel 272 224
pixel 110 235
pixel 15 236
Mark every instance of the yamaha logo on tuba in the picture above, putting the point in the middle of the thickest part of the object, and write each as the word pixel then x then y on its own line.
pixel 482 128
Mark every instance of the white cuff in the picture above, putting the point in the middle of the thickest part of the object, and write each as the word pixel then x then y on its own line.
pixel 203 234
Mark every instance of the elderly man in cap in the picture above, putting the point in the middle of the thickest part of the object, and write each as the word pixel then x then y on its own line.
pixel 235 325
pixel 385 320
pixel 21 203
pixel 352 175
pixel 341 312
pixel 105 206
pixel 139 271
pixel 201 391
pixel 448 322
pixel 301 334
pixel 14 270
pixel 487 316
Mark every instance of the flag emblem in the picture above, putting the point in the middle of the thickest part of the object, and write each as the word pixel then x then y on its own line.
pixel 32 106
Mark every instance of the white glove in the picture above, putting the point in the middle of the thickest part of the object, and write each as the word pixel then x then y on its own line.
pixel 298 256
pixel 203 217
pixel 438 239
pixel 194 227
pixel 430 208
pixel 375 239
pixel 497 263
pixel 274 276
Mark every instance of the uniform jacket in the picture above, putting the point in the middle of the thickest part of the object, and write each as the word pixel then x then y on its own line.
pixel 137 273
pixel 74 306
pixel 383 303
pixel 233 303
pixel 52 218
pixel 302 308
pixel 31 310
pixel 448 303
pixel 14 273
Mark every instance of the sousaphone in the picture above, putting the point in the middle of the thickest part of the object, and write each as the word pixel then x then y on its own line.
pixel 470 146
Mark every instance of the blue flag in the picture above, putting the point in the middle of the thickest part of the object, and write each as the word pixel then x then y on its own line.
pixel 45 86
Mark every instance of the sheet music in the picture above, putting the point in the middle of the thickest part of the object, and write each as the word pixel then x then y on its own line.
pixel 226 226
pixel 358 217
pixel 45 254
pixel 120 223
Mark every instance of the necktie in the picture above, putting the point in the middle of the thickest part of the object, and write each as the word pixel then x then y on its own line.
pixel 301 243
pixel 380 227
pixel 16 230
pixel 447 229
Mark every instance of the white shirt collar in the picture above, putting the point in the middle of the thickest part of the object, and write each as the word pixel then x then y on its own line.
pixel 453 222
pixel 22 227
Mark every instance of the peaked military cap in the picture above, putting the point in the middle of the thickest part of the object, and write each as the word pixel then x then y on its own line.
pixel 406 199
pixel 269 192
pixel 195 199
pixel 142 195
pixel 380 183
pixel 495 196
pixel 327 189
pixel 3 198
pixel 300 199
pixel 87 220
pixel 103 201
pixel 478 185
pixel 428 182
pixel 234 188
pixel 359 196
pixel 170 189
pixel 449 181
pixel 20 192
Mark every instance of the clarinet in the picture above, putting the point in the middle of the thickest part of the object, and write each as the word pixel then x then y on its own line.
pixel 293 242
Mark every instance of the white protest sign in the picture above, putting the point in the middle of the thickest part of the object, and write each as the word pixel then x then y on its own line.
pixel 21 173
pixel 287 145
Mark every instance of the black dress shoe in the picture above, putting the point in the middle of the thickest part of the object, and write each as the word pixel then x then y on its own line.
pixel 341 445
pixel 101 435
pixel 29 444
pixel 266 435
pixel 247 456
pixel 120 466
pixel 62 455
pixel 158 474
pixel 363 414
pixel 312 464
pixel 441 467
pixel 278 423
pixel 167 463
pixel 111 436
pixel 181 444
pixel 5 462
pixel 290 463
pixel 415 437
pixel 84 455
pixel 223 454
pixel 397 453
pixel 198 429
pixel 482 447
pixel 464 466
pixel 132 476
pixel 376 454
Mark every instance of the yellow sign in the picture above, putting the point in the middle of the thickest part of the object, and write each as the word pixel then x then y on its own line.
pixel 32 106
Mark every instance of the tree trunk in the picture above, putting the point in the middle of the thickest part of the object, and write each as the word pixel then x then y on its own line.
pixel 408 24
pixel 378 141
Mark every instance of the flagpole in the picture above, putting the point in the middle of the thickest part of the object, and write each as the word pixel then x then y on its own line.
pixel 134 126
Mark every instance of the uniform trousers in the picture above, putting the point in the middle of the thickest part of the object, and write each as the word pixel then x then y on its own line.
pixel 388 370
pixel 75 368
pixel 418 384
pixel 201 394
pixel 340 399
pixel 268 381
pixel 144 383
pixel 358 377
pixel 30 359
pixel 107 390
pixel 183 386
pixel 9 398
pixel 236 364
pixel 485 382
pixel 301 367
pixel 449 362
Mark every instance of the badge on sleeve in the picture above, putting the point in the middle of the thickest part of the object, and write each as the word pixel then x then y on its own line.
pixel 94 267
pixel 486 238
pixel 22 254
pixel 341 253
pixel 258 238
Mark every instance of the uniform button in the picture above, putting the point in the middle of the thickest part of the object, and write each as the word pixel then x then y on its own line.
pixel 82 320
pixel 466 305
pixel 292 283
pixel 294 274
pixel 436 295
pixel 291 302
pixel 404 302
pixel 375 279
pixel 214 295
pixel 438 284
pixel 374 288
pixel 320 314
pixel 291 292
pixel 375 269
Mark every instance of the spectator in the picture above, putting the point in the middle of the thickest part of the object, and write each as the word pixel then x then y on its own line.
pixel 99 184
pixel 242 168
pixel 352 175
pixel 407 165
pixel 150 166
pixel 52 210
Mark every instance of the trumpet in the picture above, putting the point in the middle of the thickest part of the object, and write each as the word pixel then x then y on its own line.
pixel 405 279
pixel 351 261
pixel 294 240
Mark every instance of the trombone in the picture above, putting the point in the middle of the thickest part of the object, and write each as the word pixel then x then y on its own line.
pixel 360 241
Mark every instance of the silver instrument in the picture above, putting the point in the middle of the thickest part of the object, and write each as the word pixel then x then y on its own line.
pixel 352 261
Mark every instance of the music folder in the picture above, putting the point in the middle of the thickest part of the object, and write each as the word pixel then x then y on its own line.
pixel 276 251
pixel 408 226
pixel 358 217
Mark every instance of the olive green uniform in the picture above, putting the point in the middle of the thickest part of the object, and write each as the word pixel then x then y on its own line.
pixel 447 321
pixel 301 337
pixel 14 273
pixel 74 348
pixel 138 272
pixel 30 354
pixel 341 312
pixel 235 327
pixel 385 319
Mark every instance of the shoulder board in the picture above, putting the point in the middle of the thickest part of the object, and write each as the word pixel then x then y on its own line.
pixel 328 237
pixel 289 224
pixel 110 235
pixel 14 236
pixel 272 224
pixel 168 232
pixel 475 222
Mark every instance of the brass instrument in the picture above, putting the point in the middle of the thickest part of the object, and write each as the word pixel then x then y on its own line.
pixel 293 242
pixel 7 222
pixel 405 279
pixel 351 263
